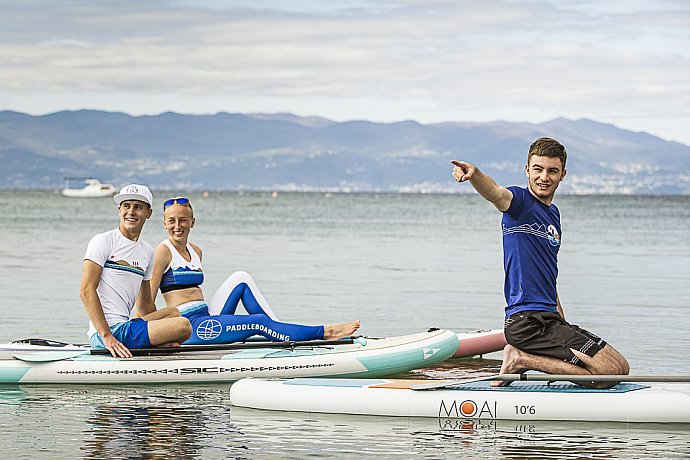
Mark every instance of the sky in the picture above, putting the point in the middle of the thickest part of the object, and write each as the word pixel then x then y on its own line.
pixel 621 62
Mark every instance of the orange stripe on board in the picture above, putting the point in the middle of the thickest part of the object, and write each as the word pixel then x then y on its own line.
pixel 405 384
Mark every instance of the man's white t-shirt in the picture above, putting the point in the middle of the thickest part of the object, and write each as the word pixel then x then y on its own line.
pixel 126 264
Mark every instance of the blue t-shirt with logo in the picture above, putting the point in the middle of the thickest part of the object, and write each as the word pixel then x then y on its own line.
pixel 531 239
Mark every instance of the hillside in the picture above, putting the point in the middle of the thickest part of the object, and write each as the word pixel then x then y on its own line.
pixel 286 152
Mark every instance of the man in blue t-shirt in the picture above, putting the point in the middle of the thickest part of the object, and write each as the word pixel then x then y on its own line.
pixel 538 336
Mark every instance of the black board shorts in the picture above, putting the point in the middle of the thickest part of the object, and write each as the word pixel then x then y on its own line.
pixel 547 334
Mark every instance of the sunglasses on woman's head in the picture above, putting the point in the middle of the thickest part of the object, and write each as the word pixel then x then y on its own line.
pixel 172 201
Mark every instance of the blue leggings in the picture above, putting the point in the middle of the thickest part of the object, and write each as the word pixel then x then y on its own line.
pixel 239 286
pixel 228 328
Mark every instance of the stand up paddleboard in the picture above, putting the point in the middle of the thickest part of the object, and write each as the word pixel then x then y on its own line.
pixel 479 343
pixel 626 402
pixel 361 357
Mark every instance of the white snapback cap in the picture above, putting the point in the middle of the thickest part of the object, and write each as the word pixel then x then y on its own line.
pixel 134 192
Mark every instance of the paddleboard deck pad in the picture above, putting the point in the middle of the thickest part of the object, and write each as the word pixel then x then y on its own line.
pixel 25 363
pixel 626 402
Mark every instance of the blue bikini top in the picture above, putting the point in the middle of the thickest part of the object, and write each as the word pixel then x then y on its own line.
pixel 182 274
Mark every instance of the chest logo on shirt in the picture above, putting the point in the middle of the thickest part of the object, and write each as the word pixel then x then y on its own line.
pixel 125 266
pixel 554 237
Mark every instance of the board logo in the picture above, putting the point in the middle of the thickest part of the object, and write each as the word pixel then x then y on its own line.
pixel 429 352
pixel 467 409
pixel 209 329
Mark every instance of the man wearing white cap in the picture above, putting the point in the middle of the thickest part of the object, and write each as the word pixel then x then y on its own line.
pixel 116 276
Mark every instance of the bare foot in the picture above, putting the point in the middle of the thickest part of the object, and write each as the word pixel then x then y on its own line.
pixel 337 331
pixel 511 360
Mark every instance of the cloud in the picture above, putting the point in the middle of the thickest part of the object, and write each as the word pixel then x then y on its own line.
pixel 428 59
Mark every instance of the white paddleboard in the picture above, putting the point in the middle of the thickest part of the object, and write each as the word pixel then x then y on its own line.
pixel 365 358
pixel 626 402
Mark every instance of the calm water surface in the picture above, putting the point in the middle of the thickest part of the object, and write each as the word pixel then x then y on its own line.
pixel 401 264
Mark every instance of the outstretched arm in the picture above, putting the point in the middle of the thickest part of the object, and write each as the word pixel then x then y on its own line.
pixel 499 196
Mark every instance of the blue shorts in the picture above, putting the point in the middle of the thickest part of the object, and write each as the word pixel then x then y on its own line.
pixel 133 334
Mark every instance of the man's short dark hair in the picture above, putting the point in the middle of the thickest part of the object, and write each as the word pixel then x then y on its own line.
pixel 547 147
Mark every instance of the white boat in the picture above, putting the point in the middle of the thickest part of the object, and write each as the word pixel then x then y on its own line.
pixel 360 357
pixel 525 401
pixel 92 189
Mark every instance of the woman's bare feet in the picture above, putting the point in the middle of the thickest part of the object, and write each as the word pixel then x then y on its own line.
pixel 337 331
pixel 511 364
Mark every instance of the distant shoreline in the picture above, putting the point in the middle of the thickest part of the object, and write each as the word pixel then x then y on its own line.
pixel 279 191
pixel 288 153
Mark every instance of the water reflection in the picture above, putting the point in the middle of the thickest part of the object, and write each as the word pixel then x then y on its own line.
pixel 196 421
pixel 158 422
pixel 349 436
pixel 118 422
pixel 11 395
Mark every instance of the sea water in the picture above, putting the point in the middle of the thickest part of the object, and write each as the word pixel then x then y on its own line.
pixel 400 263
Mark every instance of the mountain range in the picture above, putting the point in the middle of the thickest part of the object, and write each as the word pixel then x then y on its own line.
pixel 286 152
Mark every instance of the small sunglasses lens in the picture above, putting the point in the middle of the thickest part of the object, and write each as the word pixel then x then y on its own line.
pixel 173 201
